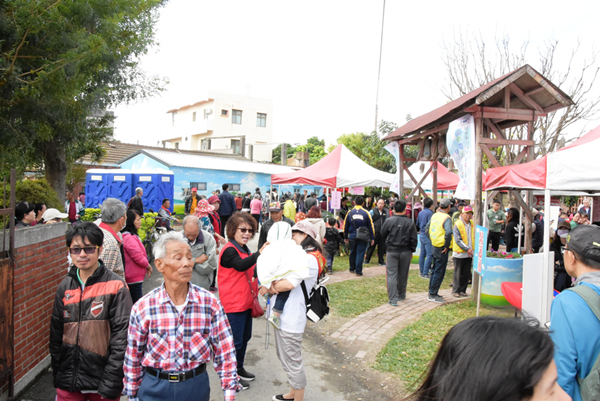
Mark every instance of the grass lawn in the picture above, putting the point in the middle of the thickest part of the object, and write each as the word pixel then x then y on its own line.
pixel 407 355
pixel 353 297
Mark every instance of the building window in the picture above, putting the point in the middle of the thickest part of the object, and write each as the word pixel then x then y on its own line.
pixel 236 146
pixel 297 190
pixel 306 163
pixel 224 113
pixel 194 116
pixel 205 144
pixel 234 187
pixel 236 116
pixel 207 112
pixel 200 186
pixel 261 120
pixel 176 145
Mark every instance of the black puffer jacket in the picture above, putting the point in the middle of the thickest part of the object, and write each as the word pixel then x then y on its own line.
pixel 88 333
pixel 400 234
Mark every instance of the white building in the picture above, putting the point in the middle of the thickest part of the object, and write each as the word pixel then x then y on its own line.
pixel 223 123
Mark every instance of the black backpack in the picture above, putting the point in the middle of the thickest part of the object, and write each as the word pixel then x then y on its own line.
pixel 317 304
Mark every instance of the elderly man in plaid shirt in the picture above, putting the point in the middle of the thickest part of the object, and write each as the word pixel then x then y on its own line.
pixel 174 331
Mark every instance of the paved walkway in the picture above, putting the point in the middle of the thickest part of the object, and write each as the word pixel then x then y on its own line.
pixel 367 334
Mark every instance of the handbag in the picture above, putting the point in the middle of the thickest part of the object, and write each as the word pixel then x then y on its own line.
pixel 362 233
pixel 257 309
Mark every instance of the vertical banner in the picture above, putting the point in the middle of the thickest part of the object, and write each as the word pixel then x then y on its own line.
pixel 394 149
pixel 460 141
pixel 336 200
pixel 479 258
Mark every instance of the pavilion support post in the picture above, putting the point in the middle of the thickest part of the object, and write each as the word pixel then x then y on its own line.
pixel 400 169
pixel 434 188
pixel 529 194
pixel 478 204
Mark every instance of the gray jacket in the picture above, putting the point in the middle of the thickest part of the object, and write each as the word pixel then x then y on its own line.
pixel 203 272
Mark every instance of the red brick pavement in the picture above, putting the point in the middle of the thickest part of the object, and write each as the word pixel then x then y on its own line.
pixel 367 334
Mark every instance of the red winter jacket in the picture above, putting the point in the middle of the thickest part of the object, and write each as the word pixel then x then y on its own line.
pixel 136 260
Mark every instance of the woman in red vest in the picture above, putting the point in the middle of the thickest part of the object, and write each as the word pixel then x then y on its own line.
pixel 237 283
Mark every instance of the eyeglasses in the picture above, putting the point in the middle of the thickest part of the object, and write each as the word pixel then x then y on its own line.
pixel 89 250
pixel 245 230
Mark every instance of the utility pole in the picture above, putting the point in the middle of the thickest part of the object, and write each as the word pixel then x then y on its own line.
pixel 379 71
pixel 284 154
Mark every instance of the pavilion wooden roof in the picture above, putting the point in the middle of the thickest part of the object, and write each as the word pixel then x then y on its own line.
pixel 530 92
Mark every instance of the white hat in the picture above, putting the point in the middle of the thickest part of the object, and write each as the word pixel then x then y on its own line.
pixel 51 214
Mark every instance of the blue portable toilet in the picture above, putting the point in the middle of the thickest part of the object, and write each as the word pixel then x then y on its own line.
pixel 147 180
pixel 120 184
pixel 96 187
pixel 165 188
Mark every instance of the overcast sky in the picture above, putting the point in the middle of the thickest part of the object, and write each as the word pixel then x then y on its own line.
pixel 317 60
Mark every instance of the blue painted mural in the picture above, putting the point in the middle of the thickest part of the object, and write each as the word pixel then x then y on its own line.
pixel 209 180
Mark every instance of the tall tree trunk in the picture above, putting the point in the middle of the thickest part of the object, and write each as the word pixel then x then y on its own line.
pixel 56 169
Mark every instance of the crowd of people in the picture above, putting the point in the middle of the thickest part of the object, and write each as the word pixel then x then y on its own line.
pixel 108 339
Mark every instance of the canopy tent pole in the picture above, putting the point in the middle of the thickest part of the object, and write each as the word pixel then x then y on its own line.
pixel 547 296
pixel 434 188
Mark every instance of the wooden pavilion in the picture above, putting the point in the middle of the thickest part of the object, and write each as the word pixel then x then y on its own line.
pixel 517 98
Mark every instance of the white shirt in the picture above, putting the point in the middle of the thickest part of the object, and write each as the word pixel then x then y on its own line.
pixel 293 318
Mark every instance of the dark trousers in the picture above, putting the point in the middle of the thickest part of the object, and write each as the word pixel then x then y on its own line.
pixel 398 266
pixel 495 239
pixel 136 291
pixel 241 328
pixel 357 254
pixel 426 256
pixel 462 274
pixel 329 257
pixel 440 261
pixel 223 223
pixel 380 244
pixel 154 389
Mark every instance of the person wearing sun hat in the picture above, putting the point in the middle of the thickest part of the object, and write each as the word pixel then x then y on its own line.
pixel 575 318
pixel 288 337
pixel 52 216
pixel 463 251
pixel 203 210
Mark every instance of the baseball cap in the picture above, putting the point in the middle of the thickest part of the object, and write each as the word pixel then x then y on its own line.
pixel 461 203
pixel 51 214
pixel 274 207
pixel 585 241
pixel 213 199
pixel 563 229
pixel 445 203
pixel 468 209
pixel 194 189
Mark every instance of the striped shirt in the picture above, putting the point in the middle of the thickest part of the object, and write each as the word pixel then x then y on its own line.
pixel 162 338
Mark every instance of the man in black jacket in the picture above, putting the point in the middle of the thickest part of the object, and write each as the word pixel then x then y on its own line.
pixel 90 318
pixel 310 202
pixel 191 202
pixel 400 235
pixel 380 214
pixel 136 202
pixel 276 216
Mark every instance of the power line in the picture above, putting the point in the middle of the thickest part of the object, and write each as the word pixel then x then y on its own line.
pixel 379 72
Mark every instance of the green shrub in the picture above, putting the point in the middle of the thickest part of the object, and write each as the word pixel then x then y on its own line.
pixel 37 191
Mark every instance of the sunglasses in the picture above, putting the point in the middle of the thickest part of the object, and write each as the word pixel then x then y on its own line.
pixel 246 230
pixel 89 250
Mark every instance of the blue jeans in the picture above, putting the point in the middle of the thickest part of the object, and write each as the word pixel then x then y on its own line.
pixel 357 254
pixel 426 254
pixel 329 259
pixel 154 389
pixel 440 261
pixel 241 329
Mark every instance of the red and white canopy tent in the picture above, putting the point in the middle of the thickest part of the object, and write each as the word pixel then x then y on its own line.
pixel 340 168
pixel 568 169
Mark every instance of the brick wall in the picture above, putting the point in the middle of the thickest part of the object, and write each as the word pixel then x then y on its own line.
pixel 41 263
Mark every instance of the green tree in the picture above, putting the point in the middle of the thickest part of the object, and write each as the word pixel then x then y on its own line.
pixel 314 146
pixel 61 63
pixel 371 149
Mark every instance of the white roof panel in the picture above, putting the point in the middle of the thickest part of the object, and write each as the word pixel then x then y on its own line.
pixel 216 163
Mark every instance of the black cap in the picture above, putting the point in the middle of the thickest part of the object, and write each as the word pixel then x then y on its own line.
pixel 585 241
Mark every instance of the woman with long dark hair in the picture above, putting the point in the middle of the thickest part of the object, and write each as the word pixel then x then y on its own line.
pixel 288 337
pixel 492 359
pixel 562 280
pixel 137 267
pixel 513 230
